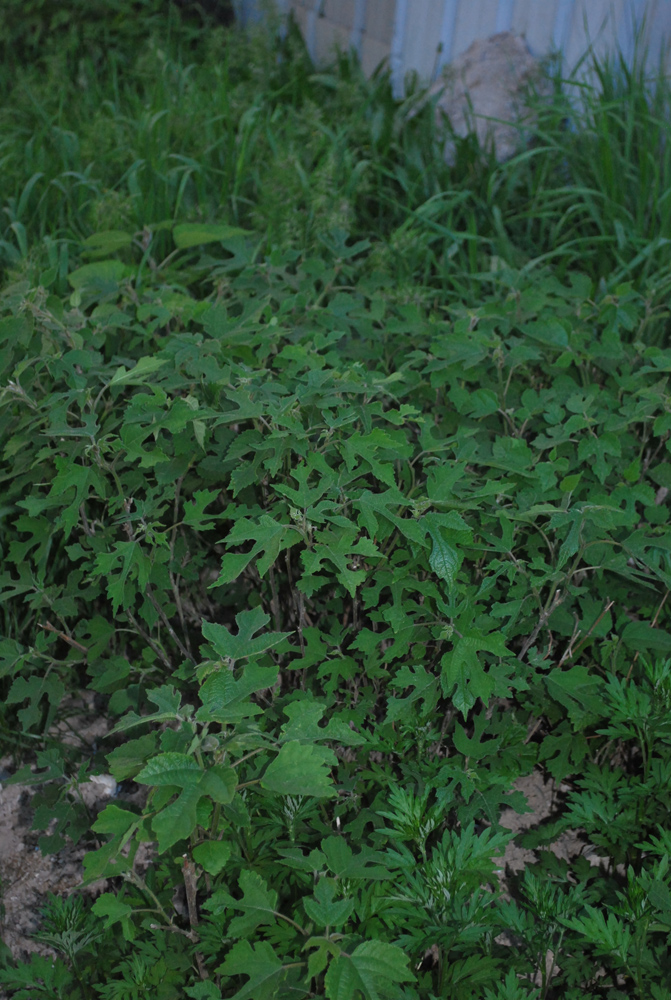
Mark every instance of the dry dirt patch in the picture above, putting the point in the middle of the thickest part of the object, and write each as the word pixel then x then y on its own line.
pixel 26 875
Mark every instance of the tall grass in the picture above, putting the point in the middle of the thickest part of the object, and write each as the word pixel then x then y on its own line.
pixel 181 122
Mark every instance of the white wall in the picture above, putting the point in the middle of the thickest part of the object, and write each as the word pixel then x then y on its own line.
pixel 422 35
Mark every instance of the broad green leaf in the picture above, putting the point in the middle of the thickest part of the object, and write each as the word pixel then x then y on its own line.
pixel 659 895
pixel 638 635
pixel 548 331
pixel 16 330
pixel 342 546
pixel 49 770
pixel 169 704
pixel 324 909
pixel 569 483
pixel 245 643
pixel 423 687
pixel 463 676
pixel 258 903
pixel 38 691
pixel 107 861
pixel 212 855
pixel 475 748
pixel 380 449
pixel 305 717
pixel 444 559
pixel 305 496
pixel 139 374
pixel 227 699
pixel 344 863
pixel 579 691
pixel 178 820
pixel 270 537
pixel 300 769
pixel 194 511
pixel 232 565
pixel 193 234
pixel 107 241
pixel 104 274
pixel 294 858
pixel 112 910
pixel 125 761
pixel 368 972
pixel 171 769
pixel 571 543
pixel 260 964
pixel 219 783
pixel 205 990
pixel 375 505
pixel 115 820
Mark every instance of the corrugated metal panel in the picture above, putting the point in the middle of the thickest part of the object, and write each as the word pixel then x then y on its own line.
pixel 422 35
pixel 474 20
pixel 447 28
pixel 656 15
pixel 358 25
pixel 561 27
pixel 504 15
pixel 397 55
pixel 380 20
pixel 377 33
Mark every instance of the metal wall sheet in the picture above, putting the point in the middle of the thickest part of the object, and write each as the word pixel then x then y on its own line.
pixel 424 21
pixel 380 15
pixel 539 28
pixel 422 35
pixel 475 19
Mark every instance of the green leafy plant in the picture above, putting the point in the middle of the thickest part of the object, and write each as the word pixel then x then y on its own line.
pixel 351 525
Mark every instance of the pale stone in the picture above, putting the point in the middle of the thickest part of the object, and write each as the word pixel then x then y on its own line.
pixel 486 89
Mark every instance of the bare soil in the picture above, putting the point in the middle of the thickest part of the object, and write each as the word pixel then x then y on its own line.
pixel 27 877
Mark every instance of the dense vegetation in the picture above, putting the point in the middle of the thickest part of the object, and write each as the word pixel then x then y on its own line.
pixel 341 477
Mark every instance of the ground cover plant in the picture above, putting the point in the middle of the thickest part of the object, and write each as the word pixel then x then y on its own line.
pixel 340 477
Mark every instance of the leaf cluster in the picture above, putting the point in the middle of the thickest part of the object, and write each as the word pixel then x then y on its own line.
pixel 339 480
pixel 343 568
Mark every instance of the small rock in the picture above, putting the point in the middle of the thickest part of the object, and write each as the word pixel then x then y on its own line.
pixel 491 80
pixel 99 786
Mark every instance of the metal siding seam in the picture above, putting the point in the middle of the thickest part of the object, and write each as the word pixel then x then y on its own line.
pixel 311 27
pixel 397 46
pixel 627 29
pixel 283 7
pixel 563 22
pixel 358 25
pixel 504 15
pixel 450 8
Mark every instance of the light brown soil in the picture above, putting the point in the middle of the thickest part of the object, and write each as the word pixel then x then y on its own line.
pixel 26 875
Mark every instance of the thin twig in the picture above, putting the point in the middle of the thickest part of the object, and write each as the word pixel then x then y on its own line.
pixel 544 616
pixel 164 618
pixel 130 531
pixel 574 637
pixel 605 611
pixel 191 886
pixel 63 635
pixel 654 623
pixel 275 600
pixel 298 602
pixel 173 581
pixel 147 638
pixel 88 530
pixel 534 729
